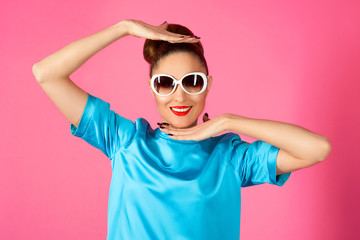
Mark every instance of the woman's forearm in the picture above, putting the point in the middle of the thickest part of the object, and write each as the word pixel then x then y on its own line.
pixel 65 61
pixel 295 140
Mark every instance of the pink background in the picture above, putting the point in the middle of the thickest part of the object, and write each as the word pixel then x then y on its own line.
pixel 291 61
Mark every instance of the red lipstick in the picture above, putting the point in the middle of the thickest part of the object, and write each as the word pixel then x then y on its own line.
pixel 180 113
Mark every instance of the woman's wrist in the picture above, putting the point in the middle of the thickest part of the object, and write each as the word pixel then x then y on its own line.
pixel 122 29
pixel 226 121
pixel 230 122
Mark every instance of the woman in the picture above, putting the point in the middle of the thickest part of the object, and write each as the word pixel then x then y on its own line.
pixel 181 180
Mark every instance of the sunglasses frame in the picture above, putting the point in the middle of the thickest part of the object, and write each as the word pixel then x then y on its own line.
pixel 179 82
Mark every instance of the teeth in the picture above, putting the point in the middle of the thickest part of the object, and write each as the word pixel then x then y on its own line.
pixel 181 110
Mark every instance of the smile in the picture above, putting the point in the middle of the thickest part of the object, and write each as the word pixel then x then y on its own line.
pixel 180 111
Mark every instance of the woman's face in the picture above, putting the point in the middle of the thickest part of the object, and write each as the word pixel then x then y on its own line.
pixel 177 65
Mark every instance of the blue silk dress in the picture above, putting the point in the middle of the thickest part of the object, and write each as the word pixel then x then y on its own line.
pixel 162 188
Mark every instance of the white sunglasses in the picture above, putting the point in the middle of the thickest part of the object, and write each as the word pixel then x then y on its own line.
pixel 192 83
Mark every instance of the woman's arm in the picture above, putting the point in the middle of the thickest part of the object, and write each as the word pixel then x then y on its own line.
pixel 64 62
pixel 299 147
pixel 52 73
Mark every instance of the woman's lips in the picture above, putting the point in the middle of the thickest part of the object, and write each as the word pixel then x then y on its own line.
pixel 180 110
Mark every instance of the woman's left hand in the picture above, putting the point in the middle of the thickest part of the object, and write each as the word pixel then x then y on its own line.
pixel 209 128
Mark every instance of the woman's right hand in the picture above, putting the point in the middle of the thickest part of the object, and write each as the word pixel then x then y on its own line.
pixel 140 29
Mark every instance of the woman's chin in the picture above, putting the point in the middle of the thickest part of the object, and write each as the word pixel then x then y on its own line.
pixel 182 125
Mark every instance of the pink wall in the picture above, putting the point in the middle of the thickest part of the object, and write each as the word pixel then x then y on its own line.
pixel 291 61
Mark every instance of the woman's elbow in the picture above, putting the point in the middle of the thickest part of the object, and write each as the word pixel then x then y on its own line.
pixel 325 149
pixel 36 72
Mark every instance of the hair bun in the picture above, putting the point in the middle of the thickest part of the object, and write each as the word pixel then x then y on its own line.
pixel 151 47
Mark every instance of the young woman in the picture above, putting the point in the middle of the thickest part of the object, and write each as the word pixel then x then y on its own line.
pixel 181 180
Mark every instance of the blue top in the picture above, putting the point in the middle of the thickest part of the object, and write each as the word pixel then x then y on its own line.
pixel 162 188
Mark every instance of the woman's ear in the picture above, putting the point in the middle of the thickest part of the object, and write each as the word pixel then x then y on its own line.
pixel 208 85
pixel 149 81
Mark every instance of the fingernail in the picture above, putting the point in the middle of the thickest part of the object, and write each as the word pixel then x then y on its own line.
pixel 170 134
pixel 197 37
pixel 164 22
pixel 165 123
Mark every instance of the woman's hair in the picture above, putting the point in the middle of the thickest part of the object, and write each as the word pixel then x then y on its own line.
pixel 154 50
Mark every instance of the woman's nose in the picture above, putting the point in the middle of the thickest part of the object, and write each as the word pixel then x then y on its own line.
pixel 179 93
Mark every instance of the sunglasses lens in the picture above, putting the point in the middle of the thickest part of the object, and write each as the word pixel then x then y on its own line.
pixel 193 83
pixel 163 85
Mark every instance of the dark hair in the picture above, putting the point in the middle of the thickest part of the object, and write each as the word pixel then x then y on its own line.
pixel 154 50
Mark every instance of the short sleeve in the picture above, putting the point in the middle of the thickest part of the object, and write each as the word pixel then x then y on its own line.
pixel 103 128
pixel 256 163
